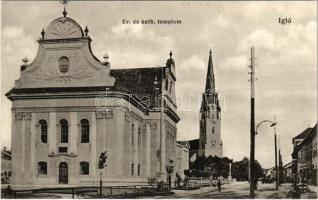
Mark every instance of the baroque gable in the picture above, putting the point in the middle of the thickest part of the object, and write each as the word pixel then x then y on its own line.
pixel 64 59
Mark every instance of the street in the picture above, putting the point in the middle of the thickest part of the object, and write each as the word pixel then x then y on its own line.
pixel 234 191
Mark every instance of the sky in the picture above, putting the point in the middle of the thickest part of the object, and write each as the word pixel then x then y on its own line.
pixel 286 61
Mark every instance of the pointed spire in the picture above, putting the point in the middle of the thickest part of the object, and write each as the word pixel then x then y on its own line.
pixel 210 84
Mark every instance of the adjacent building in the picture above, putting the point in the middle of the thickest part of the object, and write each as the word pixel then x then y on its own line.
pixel 68 107
pixel 288 173
pixel 305 156
pixel 182 157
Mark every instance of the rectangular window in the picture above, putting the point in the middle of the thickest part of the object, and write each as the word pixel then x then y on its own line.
pixel 42 168
pixel 132 135
pixel 139 138
pixel 138 170
pixel 62 149
pixel 132 169
pixel 84 131
pixel 84 168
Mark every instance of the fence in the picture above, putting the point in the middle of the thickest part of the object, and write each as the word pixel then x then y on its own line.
pixel 108 191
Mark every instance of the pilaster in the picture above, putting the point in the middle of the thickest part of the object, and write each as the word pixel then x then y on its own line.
pixel 119 118
pixel 32 145
pixel 73 132
pixel 135 146
pixel 148 149
pixel 93 165
pixel 52 132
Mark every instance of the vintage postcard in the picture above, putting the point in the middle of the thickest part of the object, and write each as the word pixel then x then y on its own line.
pixel 159 99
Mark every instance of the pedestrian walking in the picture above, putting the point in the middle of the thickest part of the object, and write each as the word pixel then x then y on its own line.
pixel 219 185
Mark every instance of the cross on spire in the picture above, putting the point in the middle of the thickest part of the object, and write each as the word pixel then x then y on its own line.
pixel 64 2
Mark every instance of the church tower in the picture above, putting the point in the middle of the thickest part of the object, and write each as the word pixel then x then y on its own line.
pixel 210 118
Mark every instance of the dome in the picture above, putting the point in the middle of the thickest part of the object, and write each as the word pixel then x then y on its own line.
pixel 63 28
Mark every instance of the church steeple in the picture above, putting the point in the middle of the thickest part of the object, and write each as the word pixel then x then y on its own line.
pixel 210 117
pixel 210 84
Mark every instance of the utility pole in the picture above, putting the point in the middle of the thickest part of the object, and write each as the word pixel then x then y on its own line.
pixel 276 171
pixel 252 153
pixel 280 164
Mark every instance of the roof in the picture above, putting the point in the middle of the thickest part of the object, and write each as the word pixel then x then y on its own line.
pixel 288 165
pixel 194 144
pixel 184 144
pixel 139 80
pixel 269 169
pixel 6 155
pixel 303 134
pixel 309 136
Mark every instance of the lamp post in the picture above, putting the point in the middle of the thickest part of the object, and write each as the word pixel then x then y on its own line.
pixel 169 169
pixel 252 166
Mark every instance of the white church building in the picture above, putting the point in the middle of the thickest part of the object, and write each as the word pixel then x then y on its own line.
pixel 68 107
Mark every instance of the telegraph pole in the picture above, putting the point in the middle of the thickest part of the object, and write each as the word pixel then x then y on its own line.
pixel 276 170
pixel 252 153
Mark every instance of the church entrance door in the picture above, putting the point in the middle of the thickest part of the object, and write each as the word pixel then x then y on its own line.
pixel 63 173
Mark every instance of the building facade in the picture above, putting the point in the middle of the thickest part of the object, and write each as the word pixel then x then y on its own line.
pixel 68 107
pixel 210 142
pixel 307 158
pixel 182 157
pixel 287 173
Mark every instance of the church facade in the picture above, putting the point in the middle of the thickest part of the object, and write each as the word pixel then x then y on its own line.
pixel 68 107
pixel 210 141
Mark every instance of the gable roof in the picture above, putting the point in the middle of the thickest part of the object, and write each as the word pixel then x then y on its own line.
pixel 303 134
pixel 309 136
pixel 139 80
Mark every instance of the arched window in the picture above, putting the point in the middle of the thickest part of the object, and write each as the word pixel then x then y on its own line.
pixel 84 131
pixel 42 167
pixel 84 168
pixel 43 129
pixel 212 129
pixel 64 131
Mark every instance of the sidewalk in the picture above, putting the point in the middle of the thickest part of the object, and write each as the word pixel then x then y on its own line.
pixel 202 190
pixel 312 194
pixel 268 191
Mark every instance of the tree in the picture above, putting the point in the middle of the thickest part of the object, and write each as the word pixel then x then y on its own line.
pixel 101 165
pixel 212 165
pixel 240 169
